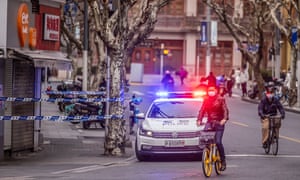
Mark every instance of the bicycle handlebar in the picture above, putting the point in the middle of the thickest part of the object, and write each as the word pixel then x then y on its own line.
pixel 272 116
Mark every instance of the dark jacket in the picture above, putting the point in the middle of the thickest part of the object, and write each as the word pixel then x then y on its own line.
pixel 266 107
pixel 211 80
pixel 215 108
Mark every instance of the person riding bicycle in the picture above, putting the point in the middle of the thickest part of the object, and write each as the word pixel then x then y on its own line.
pixel 216 109
pixel 168 81
pixel 269 105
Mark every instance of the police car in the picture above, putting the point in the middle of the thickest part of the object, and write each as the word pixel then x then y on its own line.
pixel 170 126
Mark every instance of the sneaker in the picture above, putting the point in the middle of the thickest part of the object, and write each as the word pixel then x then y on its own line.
pixel 223 166
pixel 265 145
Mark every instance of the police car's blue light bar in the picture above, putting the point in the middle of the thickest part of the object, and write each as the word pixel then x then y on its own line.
pixel 181 94
pixel 162 94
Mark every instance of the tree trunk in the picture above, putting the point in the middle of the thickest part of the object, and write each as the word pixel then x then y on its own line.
pixel 116 135
pixel 294 68
pixel 260 81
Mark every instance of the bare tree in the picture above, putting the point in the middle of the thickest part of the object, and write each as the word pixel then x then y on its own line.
pixel 285 24
pixel 249 29
pixel 119 27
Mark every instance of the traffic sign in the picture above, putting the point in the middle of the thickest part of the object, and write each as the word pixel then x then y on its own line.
pixel 294 36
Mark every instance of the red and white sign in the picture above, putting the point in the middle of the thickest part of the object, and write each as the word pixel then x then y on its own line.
pixel 51 27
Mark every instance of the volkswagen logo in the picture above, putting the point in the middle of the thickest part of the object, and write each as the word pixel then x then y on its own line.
pixel 174 134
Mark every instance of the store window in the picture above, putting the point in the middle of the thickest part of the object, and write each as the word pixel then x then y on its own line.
pixel 137 55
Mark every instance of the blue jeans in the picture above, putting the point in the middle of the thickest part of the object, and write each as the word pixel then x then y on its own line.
pixel 219 136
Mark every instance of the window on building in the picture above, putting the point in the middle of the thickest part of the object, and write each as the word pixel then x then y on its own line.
pixel 175 8
pixel 229 5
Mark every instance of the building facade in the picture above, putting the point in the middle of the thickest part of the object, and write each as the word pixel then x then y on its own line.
pixel 179 30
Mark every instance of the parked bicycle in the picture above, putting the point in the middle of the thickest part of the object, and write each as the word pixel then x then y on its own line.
pixel 272 142
pixel 210 155
pixel 288 96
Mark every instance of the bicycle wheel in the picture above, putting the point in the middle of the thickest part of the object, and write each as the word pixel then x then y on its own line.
pixel 206 162
pixel 267 149
pixel 218 163
pixel 274 144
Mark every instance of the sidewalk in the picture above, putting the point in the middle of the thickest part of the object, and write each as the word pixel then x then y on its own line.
pixel 63 142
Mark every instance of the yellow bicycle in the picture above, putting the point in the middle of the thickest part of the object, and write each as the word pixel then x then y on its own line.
pixel 210 155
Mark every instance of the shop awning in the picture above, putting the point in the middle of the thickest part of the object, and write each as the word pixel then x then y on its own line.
pixel 43 58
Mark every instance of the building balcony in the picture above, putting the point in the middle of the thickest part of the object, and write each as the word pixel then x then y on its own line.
pixel 183 24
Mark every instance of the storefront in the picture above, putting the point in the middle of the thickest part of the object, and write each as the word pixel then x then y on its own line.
pixel 28 48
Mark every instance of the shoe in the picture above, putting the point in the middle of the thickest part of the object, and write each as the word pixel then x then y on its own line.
pixel 265 145
pixel 223 165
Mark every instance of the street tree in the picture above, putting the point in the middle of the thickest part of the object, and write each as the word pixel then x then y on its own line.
pixel 249 23
pixel 117 27
pixel 286 16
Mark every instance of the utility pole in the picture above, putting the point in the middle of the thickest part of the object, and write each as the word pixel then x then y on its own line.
pixel 298 65
pixel 208 60
pixel 277 39
pixel 162 47
pixel 85 48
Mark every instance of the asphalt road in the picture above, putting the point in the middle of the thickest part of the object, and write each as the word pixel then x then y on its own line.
pixel 246 159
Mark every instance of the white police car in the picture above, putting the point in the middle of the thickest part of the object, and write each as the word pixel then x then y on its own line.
pixel 170 127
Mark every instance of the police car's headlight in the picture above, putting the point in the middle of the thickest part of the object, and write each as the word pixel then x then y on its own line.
pixel 144 132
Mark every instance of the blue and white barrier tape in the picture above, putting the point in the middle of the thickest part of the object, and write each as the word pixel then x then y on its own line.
pixel 73 100
pixel 59 118
pixel 75 92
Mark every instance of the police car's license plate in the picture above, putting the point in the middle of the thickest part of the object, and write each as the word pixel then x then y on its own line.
pixel 174 143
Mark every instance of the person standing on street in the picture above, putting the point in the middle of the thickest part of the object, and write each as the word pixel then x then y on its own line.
pixel 211 80
pixel 182 73
pixel 237 75
pixel 230 82
pixel 244 77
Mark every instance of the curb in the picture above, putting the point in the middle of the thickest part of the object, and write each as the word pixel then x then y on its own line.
pixel 289 109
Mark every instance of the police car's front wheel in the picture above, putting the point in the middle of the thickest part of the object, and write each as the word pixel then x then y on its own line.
pixel 138 154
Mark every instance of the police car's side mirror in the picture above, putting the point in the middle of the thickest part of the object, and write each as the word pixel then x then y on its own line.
pixel 140 115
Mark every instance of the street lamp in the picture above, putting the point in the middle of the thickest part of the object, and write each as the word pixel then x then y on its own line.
pixel 208 60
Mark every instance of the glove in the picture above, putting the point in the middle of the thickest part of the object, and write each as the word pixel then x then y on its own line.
pixel 199 123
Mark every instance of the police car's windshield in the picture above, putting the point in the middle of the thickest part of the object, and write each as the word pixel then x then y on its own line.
pixel 175 109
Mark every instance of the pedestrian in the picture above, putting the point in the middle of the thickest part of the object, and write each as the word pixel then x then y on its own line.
pixel 288 77
pixel 237 75
pixel 230 82
pixel 211 80
pixel 215 108
pixel 182 73
pixel 244 77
